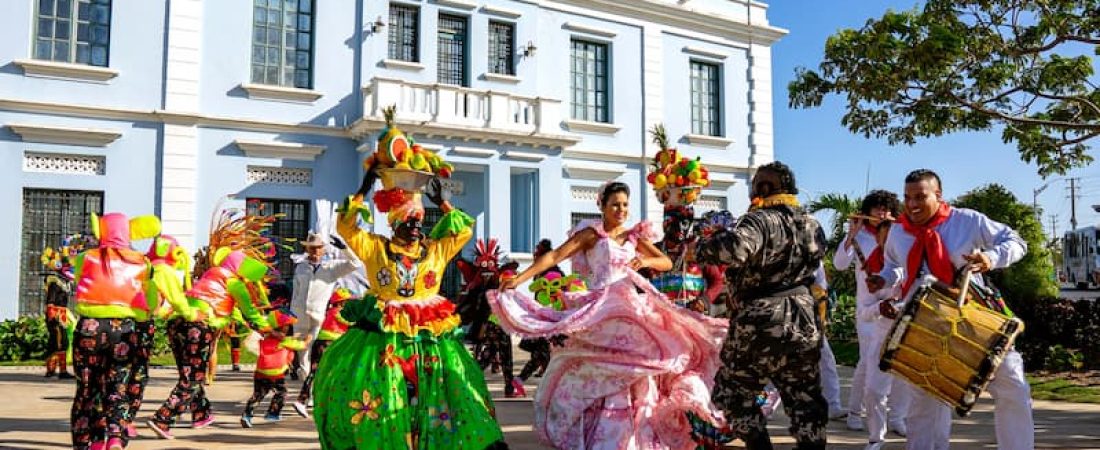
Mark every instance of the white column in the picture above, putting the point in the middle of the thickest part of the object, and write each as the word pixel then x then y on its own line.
pixel 653 85
pixel 179 176
pixel 761 146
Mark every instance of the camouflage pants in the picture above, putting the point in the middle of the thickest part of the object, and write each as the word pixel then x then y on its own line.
pixel 774 339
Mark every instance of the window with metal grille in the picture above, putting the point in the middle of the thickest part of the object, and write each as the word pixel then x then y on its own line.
pixel 290 227
pixel 705 99
pixel 73 31
pixel 588 68
pixel 502 44
pixel 404 33
pixel 282 43
pixel 577 217
pixel 48 215
pixel 452 278
pixel 525 210
pixel 452 49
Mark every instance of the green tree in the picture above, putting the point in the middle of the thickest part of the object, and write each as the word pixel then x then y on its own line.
pixel 1030 278
pixel 970 65
pixel 842 206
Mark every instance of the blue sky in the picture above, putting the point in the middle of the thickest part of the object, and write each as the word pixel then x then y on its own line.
pixel 828 158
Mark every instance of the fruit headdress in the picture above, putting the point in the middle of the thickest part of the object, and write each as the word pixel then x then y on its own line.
pixel 405 167
pixel 676 178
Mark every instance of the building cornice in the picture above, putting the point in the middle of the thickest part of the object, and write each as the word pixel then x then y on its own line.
pixel 363 127
pixel 91 137
pixel 279 150
pixel 682 17
pixel 280 93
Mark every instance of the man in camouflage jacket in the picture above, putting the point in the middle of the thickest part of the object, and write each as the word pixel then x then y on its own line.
pixel 771 255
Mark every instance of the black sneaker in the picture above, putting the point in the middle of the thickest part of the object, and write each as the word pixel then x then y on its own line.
pixel 236 368
pixel 66 376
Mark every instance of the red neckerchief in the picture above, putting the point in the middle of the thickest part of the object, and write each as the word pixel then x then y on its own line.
pixel 928 246
pixel 876 259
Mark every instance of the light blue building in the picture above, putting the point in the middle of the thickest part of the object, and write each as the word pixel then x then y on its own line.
pixel 170 106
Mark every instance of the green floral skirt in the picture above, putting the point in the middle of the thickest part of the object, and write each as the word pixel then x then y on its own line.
pixel 386 391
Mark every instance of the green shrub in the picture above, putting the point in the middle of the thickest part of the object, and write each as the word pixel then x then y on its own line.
pixel 1061 359
pixel 842 325
pixel 23 339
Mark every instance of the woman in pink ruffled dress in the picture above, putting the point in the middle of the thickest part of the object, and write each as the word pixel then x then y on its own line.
pixel 634 363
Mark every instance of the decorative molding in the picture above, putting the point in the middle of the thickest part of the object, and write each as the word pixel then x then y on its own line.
pixel 602 155
pixel 526 156
pixel 91 137
pixel 708 141
pixel 65 71
pixel 591 127
pixel 710 203
pixel 461 4
pixel 64 164
pixel 675 15
pixel 721 180
pixel 503 12
pixel 281 150
pixel 279 175
pixel 583 193
pixel 402 65
pixel 455 187
pixel 473 152
pixel 586 170
pixel 169 117
pixel 586 29
pixel 501 78
pixel 280 93
pixel 706 53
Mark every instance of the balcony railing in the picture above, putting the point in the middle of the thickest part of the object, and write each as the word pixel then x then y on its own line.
pixel 456 106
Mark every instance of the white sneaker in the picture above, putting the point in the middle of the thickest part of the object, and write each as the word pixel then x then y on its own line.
pixel 899 428
pixel 855 423
pixel 875 446
pixel 300 409
pixel 310 403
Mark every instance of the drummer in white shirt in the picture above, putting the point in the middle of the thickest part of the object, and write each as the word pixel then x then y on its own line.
pixel 932 237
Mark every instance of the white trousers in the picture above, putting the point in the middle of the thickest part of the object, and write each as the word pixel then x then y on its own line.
pixel 855 396
pixel 929 420
pixel 886 398
pixel 830 381
pixel 309 325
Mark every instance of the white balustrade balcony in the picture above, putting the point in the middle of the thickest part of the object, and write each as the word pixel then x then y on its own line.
pixel 460 112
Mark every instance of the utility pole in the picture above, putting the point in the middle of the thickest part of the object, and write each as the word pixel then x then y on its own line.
pixel 1073 203
pixel 1053 226
pixel 1035 200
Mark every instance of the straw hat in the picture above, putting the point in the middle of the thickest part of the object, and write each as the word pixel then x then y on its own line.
pixel 313 240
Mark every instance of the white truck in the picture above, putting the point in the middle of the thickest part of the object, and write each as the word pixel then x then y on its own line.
pixel 1081 258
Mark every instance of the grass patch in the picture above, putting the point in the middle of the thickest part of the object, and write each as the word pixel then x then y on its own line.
pixel 25 362
pixel 846 352
pixel 1053 387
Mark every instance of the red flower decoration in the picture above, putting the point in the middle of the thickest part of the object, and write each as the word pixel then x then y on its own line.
pixel 429 279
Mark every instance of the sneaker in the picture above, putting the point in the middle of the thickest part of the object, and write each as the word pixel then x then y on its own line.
pixel 115 444
pixel 51 374
pixel 837 413
pixel 246 421
pixel 162 433
pixel 204 422
pixel 517 388
pixel 65 376
pixel 310 403
pixel 131 430
pixel 300 408
pixel 236 368
pixel 772 403
pixel 855 423
pixel 899 428
pixel 875 446
pixel 272 417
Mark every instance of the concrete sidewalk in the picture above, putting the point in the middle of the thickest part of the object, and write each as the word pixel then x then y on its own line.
pixel 34 414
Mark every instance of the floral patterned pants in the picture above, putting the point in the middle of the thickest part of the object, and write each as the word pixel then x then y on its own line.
pixel 139 372
pixel 261 385
pixel 102 360
pixel 191 343
pixel 315 353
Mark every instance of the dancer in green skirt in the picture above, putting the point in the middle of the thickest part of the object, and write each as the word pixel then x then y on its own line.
pixel 400 377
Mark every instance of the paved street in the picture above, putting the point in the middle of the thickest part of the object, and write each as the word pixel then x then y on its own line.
pixel 34 415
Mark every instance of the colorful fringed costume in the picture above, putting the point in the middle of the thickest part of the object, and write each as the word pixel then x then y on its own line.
pixel 60 321
pixel 492 345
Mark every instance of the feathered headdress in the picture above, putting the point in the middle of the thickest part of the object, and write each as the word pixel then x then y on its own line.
pixel 486 252
pixel 232 228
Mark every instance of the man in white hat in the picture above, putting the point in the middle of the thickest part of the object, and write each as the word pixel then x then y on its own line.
pixel 314 281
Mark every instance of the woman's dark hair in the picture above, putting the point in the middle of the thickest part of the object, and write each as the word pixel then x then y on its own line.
pixel 786 177
pixel 880 198
pixel 543 246
pixel 612 188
